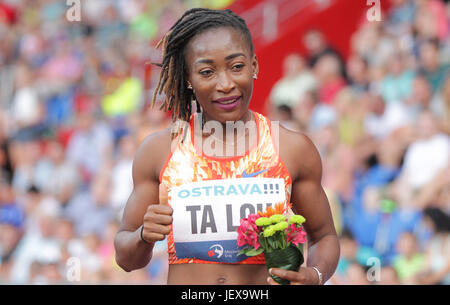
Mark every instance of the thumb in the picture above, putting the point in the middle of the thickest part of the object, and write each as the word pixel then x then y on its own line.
pixel 163 195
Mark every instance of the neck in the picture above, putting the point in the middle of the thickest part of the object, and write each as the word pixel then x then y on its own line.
pixel 245 118
pixel 211 126
pixel 239 134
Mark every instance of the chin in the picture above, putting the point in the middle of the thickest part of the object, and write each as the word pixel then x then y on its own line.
pixel 235 115
pixel 227 115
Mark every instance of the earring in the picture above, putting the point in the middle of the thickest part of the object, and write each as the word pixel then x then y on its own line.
pixel 189 86
pixel 255 76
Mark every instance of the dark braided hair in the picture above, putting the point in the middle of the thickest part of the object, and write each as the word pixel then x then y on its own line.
pixel 172 80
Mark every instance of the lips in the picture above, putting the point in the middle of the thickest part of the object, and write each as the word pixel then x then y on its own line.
pixel 227 100
pixel 228 103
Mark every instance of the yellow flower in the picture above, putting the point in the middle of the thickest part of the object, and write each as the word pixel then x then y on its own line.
pixel 297 219
pixel 281 226
pixel 269 231
pixel 277 218
pixel 263 221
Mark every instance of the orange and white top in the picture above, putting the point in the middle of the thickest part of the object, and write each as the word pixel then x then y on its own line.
pixel 209 195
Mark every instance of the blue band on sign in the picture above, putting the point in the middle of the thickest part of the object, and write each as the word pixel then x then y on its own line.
pixel 224 251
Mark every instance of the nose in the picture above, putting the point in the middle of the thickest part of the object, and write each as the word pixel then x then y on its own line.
pixel 224 82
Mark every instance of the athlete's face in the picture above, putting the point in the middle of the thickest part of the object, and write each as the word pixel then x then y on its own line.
pixel 220 68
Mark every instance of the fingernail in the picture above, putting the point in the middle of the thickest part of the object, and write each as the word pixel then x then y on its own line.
pixel 270 271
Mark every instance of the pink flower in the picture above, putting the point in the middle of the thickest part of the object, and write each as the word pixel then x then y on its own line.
pixel 248 232
pixel 296 235
pixel 252 218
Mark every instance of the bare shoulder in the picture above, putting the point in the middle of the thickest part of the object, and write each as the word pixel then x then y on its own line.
pixel 294 139
pixel 299 154
pixel 151 155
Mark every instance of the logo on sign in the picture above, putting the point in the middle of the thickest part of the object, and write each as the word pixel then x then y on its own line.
pixel 215 249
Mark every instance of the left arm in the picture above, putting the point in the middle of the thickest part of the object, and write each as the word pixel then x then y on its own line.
pixel 309 200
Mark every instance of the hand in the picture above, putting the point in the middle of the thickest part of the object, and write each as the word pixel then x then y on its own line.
pixel 304 276
pixel 158 218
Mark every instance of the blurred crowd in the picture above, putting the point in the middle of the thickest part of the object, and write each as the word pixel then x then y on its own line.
pixel 381 122
pixel 74 107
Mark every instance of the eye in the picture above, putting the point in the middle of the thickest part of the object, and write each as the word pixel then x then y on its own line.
pixel 206 72
pixel 238 67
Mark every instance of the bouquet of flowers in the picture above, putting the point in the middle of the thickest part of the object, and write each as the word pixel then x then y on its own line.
pixel 279 237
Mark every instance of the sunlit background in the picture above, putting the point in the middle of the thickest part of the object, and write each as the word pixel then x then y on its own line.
pixel 368 83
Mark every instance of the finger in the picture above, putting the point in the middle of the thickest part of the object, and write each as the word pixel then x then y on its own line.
pixel 271 281
pixel 160 210
pixel 164 219
pixel 152 237
pixel 157 228
pixel 163 195
pixel 292 276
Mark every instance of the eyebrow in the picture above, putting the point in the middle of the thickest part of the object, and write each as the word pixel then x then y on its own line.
pixel 210 61
pixel 234 56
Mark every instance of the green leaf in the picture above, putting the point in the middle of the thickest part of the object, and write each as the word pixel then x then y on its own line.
pixel 244 251
pixel 279 244
pixel 253 252
pixel 300 247
pixel 272 243
pixel 262 241
pixel 288 259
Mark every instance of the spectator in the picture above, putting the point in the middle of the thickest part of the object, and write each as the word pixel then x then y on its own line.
pixel 351 116
pixel 149 121
pixel 356 275
pixel 328 74
pixel 26 108
pixel 409 261
pixel 440 105
pixel 126 97
pixel 122 182
pixel 312 115
pixel 402 13
pixel 437 268
pixel 90 146
pixel 39 244
pixel 357 68
pixel 26 157
pixel 427 155
pixel 62 178
pixel 296 80
pixel 396 86
pixel 317 46
pixel 372 42
pixel 383 119
pixel 352 254
pixel 388 276
pixel 431 65
pixel 96 203
pixel 420 97
pixel 283 114
pixel 430 19
pixel 11 230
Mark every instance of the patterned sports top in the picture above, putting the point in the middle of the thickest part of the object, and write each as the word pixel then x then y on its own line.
pixel 209 195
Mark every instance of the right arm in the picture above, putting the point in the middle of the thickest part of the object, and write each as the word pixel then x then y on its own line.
pixel 143 208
